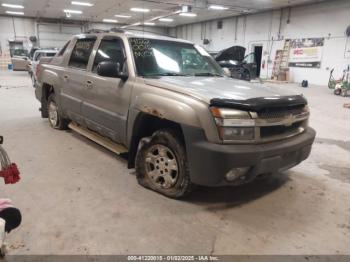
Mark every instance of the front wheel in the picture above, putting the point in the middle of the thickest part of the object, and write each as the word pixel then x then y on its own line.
pixel 55 118
pixel 161 164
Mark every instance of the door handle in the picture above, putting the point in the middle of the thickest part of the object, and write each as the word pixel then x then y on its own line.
pixel 89 84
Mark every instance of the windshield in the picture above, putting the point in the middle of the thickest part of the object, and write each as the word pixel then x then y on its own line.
pixel 162 58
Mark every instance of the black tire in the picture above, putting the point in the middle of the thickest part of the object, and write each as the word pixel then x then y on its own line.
pixel 43 109
pixel 246 75
pixel 57 121
pixel 165 139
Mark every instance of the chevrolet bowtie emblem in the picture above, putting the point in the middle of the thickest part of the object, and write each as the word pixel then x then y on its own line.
pixel 289 120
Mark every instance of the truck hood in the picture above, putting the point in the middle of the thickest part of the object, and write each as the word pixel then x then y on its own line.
pixel 236 53
pixel 224 88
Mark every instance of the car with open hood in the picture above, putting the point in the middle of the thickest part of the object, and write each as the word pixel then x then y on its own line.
pixel 240 65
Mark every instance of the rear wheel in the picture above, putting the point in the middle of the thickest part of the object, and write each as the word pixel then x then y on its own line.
pixel 55 118
pixel 161 164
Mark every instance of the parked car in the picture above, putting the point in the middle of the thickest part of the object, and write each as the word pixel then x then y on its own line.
pixel 240 65
pixel 168 104
pixel 39 54
pixel 19 59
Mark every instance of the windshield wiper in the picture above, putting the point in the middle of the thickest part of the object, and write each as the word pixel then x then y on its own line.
pixel 207 74
pixel 165 74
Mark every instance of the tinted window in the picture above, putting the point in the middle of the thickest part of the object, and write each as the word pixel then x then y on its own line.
pixel 109 50
pixel 50 54
pixel 81 53
pixel 61 52
pixel 37 56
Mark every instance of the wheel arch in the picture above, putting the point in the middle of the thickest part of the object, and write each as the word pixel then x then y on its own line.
pixel 145 125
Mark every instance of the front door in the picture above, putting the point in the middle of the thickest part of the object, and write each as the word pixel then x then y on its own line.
pixel 106 101
pixel 74 79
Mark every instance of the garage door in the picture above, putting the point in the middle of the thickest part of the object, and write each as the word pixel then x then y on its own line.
pixel 56 35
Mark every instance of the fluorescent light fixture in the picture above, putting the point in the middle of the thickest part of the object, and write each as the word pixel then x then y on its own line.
pixel 149 23
pixel 72 11
pixel 136 24
pixel 14 13
pixel 13 6
pixel 166 20
pixel 123 16
pixel 140 10
pixel 81 3
pixel 188 14
pixel 110 21
pixel 217 7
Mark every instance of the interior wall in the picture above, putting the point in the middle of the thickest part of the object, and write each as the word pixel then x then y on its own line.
pixel 49 34
pixel 269 29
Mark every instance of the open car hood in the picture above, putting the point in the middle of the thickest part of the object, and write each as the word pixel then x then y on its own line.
pixel 236 53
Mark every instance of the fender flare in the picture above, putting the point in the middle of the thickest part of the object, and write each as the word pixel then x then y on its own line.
pixel 166 108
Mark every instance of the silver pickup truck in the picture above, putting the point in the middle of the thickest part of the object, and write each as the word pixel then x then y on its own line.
pixel 168 105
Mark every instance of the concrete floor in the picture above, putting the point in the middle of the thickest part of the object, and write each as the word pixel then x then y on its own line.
pixel 78 198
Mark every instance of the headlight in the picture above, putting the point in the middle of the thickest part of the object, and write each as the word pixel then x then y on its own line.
pixel 234 124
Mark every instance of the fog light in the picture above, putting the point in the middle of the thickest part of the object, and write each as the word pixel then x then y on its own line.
pixel 236 173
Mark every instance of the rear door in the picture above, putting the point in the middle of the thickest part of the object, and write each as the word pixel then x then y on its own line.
pixel 106 101
pixel 74 78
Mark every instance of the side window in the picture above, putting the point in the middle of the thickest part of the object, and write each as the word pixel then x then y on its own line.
pixel 109 50
pixel 81 53
pixel 36 56
pixel 63 49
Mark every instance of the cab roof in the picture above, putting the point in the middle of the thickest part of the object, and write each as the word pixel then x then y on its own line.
pixel 129 33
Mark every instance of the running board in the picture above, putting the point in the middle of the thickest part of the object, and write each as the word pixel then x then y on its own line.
pixel 101 140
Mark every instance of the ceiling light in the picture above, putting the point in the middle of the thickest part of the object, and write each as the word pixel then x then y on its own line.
pixel 188 14
pixel 110 21
pixel 72 11
pixel 13 6
pixel 123 16
pixel 14 13
pixel 217 7
pixel 149 23
pixel 140 10
pixel 82 3
pixel 166 19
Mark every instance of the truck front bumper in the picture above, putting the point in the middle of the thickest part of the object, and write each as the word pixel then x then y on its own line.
pixel 210 163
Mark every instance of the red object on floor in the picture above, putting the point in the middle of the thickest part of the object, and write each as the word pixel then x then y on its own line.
pixel 10 174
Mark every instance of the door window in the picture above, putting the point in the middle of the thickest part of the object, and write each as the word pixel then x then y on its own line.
pixel 81 53
pixel 37 56
pixel 109 50
pixel 250 58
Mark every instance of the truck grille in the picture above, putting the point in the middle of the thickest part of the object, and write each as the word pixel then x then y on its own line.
pixel 279 113
pixel 271 131
pixel 275 124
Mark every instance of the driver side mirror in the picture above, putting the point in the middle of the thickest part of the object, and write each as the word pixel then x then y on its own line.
pixel 111 69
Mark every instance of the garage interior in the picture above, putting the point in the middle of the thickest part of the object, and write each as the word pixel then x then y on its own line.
pixel 79 198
